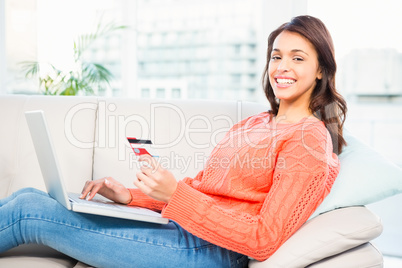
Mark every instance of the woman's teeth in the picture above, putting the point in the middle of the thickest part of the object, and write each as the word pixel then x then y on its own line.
pixel 285 81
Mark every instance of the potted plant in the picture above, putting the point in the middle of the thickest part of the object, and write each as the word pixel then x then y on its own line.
pixel 84 77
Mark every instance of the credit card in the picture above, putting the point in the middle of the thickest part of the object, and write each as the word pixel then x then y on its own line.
pixel 142 147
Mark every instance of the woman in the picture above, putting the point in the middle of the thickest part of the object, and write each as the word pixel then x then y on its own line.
pixel 260 184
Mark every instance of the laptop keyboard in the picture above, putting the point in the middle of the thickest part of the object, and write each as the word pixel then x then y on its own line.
pixel 102 202
pixel 98 201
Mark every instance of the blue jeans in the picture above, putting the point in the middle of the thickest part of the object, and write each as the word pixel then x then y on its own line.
pixel 31 216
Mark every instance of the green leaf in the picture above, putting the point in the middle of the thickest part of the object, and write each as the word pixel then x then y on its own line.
pixel 84 41
pixel 31 68
pixel 86 77
pixel 96 73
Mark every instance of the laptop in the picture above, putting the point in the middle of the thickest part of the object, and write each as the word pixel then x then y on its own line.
pixel 55 186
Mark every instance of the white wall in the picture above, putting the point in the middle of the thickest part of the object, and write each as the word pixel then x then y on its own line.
pixel 380 126
pixel 2 47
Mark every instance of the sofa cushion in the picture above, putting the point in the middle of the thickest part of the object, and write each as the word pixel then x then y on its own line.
pixel 82 265
pixel 363 256
pixel 35 256
pixel 326 235
pixel 365 177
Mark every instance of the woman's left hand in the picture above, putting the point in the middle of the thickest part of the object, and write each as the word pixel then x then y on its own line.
pixel 155 181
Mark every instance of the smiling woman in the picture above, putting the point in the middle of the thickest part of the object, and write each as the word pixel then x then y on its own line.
pixel 260 184
pixel 302 52
pixel 293 71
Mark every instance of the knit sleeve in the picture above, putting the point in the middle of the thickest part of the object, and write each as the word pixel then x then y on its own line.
pixel 304 173
pixel 140 199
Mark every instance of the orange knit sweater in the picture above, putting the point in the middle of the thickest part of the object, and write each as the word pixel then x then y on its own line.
pixel 259 185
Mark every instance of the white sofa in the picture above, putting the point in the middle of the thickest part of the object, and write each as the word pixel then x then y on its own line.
pixel 89 135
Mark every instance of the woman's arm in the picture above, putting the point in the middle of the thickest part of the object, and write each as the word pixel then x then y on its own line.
pixel 138 198
pixel 298 186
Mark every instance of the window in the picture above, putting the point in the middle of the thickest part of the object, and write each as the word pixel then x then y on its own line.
pixel 236 78
pixel 27 27
pixel 370 61
pixel 176 93
pixel 237 49
pixel 187 40
pixel 160 93
pixel 368 50
pixel 145 93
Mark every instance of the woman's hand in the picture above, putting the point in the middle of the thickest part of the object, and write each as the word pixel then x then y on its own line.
pixel 155 181
pixel 109 188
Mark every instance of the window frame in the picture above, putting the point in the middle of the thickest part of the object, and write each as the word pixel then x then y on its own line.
pixel 3 62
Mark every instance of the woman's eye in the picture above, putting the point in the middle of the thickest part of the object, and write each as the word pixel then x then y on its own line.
pixel 298 59
pixel 275 57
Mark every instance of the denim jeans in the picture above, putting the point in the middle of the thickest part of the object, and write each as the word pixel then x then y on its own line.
pixel 31 216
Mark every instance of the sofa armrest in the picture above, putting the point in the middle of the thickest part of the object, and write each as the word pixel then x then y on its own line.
pixel 363 256
pixel 326 235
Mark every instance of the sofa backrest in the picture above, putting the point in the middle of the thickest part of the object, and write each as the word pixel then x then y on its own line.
pixel 89 135
pixel 183 132
pixel 18 163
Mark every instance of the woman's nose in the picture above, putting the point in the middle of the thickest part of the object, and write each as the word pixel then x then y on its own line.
pixel 283 66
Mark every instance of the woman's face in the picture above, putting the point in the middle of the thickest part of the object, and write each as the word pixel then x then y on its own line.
pixel 293 69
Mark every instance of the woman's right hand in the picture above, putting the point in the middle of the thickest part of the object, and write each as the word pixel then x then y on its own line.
pixel 109 188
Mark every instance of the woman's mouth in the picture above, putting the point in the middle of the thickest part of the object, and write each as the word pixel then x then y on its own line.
pixel 284 81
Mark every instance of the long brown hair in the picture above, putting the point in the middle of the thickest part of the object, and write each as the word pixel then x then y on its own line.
pixel 325 102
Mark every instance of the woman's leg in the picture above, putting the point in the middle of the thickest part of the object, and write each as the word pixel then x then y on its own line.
pixel 31 216
pixel 19 192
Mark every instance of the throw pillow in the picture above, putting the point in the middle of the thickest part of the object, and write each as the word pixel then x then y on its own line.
pixel 365 177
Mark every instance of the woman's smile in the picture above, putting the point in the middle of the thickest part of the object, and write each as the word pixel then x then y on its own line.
pixel 284 81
